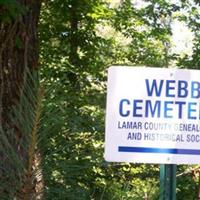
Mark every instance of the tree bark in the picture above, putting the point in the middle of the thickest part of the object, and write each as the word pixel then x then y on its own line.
pixel 18 52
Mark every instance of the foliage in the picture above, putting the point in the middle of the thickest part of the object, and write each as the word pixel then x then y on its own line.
pixel 78 40
pixel 148 28
pixel 73 161
pixel 10 9
pixel 192 20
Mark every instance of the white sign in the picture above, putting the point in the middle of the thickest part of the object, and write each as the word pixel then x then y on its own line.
pixel 153 115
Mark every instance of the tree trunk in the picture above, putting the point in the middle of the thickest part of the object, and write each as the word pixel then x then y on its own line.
pixel 18 52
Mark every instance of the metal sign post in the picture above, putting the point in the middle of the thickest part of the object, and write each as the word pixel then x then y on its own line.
pixel 167 182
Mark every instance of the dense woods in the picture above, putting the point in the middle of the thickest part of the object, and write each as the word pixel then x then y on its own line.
pixel 54 57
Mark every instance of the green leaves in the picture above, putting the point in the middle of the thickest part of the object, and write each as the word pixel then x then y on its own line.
pixel 78 40
pixel 10 9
